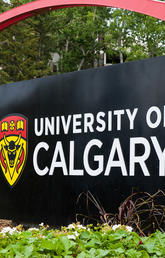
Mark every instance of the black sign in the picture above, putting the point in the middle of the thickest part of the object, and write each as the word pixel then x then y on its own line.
pixel 100 130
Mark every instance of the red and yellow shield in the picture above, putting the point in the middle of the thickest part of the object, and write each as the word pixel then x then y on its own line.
pixel 13 146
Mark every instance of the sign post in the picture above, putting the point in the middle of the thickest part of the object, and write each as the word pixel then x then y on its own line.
pixel 99 130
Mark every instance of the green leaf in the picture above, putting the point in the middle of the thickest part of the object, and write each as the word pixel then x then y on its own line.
pixel 83 255
pixel 48 244
pixel 68 244
pixel 119 250
pixel 132 253
pixel 85 235
pixel 150 246
pixel 102 253
pixel 28 251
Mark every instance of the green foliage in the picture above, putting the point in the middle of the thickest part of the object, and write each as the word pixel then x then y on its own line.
pixel 78 35
pixel 134 36
pixel 20 53
pixel 79 32
pixel 72 33
pixel 81 242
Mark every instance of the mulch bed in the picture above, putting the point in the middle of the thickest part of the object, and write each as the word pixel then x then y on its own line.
pixel 6 223
pixel 25 226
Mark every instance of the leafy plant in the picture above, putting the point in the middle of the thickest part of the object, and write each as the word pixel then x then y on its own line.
pixel 79 241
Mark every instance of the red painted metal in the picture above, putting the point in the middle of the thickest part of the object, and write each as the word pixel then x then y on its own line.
pixel 149 7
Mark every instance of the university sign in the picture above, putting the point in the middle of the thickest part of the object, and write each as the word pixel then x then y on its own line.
pixel 101 122
pixel 100 130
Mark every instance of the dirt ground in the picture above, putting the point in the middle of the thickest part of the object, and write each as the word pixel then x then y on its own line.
pixel 5 223
pixel 25 226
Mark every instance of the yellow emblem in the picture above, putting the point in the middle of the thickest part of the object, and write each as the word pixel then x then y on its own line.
pixel 13 147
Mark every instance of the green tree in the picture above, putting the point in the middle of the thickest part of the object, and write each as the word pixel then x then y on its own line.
pixel 149 37
pixel 119 37
pixel 77 35
pixel 133 36
pixel 19 55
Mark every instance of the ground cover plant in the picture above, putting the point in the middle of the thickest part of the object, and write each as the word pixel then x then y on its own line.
pixel 79 241
pixel 136 231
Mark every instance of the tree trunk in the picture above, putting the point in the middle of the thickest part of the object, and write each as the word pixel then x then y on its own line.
pixel 67 46
pixel 120 51
pixel 81 64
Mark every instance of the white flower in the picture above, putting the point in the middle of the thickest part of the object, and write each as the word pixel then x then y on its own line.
pixel 71 226
pixel 9 230
pixel 76 233
pixel 41 224
pixel 32 229
pixel 81 227
pixel 5 229
pixel 129 228
pixel 71 237
pixel 116 226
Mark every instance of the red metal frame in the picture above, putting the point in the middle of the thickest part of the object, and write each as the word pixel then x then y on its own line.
pixel 149 7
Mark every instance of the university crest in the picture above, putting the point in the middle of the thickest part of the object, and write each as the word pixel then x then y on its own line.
pixel 13 146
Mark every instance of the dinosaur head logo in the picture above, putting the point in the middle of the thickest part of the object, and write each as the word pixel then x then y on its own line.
pixel 13 147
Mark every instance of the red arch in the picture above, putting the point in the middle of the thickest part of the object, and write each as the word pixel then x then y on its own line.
pixel 149 7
